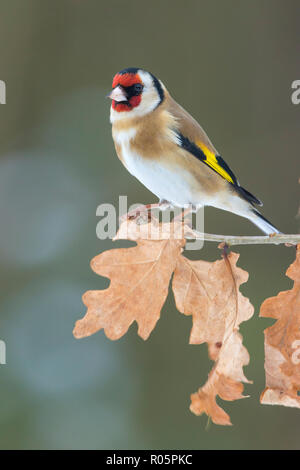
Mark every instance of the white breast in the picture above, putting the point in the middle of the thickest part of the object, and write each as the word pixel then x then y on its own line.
pixel 166 183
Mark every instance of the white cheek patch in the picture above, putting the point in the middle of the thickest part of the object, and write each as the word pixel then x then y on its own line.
pixel 146 78
pixel 150 100
pixel 150 96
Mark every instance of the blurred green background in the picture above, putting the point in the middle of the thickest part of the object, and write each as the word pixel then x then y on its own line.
pixel 231 64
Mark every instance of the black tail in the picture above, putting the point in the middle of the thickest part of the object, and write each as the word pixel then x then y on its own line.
pixel 248 196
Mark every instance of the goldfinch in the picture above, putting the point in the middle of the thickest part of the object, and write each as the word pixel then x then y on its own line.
pixel 168 151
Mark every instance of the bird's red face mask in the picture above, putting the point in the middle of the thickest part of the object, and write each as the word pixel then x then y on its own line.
pixel 127 91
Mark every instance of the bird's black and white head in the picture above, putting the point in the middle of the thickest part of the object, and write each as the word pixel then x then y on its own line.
pixel 135 93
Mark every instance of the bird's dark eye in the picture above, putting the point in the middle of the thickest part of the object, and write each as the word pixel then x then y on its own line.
pixel 138 87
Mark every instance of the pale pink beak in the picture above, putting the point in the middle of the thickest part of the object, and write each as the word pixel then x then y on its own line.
pixel 117 94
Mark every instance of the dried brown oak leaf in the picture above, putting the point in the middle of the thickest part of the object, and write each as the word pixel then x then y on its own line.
pixel 210 293
pixel 282 343
pixel 139 276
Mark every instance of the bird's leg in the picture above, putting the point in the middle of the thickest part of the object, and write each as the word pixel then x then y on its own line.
pixel 142 211
pixel 145 210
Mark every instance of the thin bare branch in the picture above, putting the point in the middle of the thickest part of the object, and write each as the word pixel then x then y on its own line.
pixel 276 239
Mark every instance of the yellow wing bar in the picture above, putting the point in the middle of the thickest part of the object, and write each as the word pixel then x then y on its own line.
pixel 202 152
pixel 217 163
